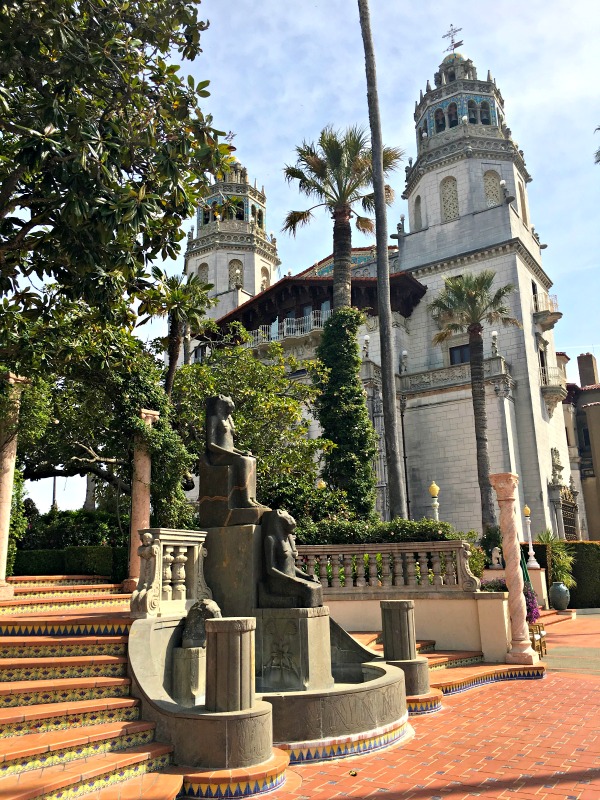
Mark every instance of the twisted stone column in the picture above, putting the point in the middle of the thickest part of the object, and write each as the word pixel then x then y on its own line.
pixel 521 652
pixel 140 500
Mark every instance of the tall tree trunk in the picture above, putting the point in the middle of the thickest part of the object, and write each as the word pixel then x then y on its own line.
pixel 488 510
pixel 396 488
pixel 342 258
pixel 173 350
pixel 187 350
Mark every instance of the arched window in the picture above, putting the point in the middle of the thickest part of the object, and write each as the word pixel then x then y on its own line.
pixel 205 215
pixel 492 188
pixel 485 113
pixel 260 218
pixel 239 210
pixel 451 75
pixel 449 197
pixel 472 110
pixel 236 274
pixel 253 213
pixel 523 205
pixel 440 121
pixel 265 279
pixel 418 219
pixel 203 272
pixel 213 211
pixel 452 115
pixel 425 129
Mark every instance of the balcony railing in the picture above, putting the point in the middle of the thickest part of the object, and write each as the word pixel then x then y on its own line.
pixel 448 376
pixel 544 302
pixel 288 328
pixel 410 567
pixel 552 376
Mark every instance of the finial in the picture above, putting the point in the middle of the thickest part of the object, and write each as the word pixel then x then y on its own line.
pixel 428 86
pixel 489 76
pixel 444 81
pixel 421 95
pixel 452 36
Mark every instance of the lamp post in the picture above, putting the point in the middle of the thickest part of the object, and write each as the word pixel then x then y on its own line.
pixel 531 563
pixel 434 491
pixel 366 340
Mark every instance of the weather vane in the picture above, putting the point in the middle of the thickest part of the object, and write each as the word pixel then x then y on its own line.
pixel 452 36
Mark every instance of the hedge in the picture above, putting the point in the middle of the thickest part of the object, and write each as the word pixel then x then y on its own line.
pixel 364 532
pixel 57 530
pixel 39 562
pixel 586 571
pixel 91 560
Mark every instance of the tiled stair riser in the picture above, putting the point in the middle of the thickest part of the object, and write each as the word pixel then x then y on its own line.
pixel 96 601
pixel 514 674
pixel 67 755
pixel 59 580
pixel 50 627
pixel 33 592
pixel 61 650
pixel 58 695
pixel 68 721
pixel 456 663
pixel 91 670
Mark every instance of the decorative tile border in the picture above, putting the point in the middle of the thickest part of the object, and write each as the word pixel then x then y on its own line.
pixel 60 650
pixel 345 746
pixel 68 754
pixel 103 601
pixel 515 673
pixel 60 672
pixel 43 696
pixel 237 783
pixel 424 704
pixel 50 627
pixel 457 663
pixel 62 591
pixel 67 721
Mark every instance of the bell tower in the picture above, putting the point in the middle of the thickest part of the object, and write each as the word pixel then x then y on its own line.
pixel 231 249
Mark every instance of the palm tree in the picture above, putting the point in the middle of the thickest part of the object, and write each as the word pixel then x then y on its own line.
pixel 396 487
pixel 464 305
pixel 337 171
pixel 184 303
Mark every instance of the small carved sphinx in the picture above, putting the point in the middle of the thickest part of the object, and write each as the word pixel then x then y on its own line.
pixel 285 585
pixel 194 631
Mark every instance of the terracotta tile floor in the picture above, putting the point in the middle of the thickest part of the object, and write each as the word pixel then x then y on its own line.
pixel 523 740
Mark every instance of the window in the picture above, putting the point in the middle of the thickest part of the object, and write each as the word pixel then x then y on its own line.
pixel 523 206
pixel 492 188
pixel 472 112
pixel 260 218
pixel 449 196
pixel 253 213
pixel 485 114
pixel 440 121
pixel 236 274
pixel 418 219
pixel 239 210
pixel 451 77
pixel 459 354
pixel 452 115
pixel 205 215
pixel 586 437
pixel 203 273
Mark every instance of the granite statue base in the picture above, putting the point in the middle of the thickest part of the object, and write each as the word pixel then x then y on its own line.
pixel 293 649
pixel 189 675
pixel 221 502
pixel 416 674
pixel 233 568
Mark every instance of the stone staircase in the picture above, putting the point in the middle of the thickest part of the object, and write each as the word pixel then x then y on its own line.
pixel 68 726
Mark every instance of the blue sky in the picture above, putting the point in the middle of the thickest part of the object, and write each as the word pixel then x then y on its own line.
pixel 279 72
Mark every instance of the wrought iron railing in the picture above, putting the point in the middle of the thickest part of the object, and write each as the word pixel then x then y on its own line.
pixel 288 328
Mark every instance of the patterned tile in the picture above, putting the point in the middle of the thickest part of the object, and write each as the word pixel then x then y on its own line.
pixel 67 721
pixel 41 673
pixel 40 696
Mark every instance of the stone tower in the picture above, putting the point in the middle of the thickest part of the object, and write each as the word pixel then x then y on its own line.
pixel 468 212
pixel 231 249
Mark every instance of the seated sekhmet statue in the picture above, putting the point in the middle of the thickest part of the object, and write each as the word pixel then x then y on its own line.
pixel 227 474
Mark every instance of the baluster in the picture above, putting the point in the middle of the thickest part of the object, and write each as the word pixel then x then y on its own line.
pixel 398 569
pixel 310 565
pixel 451 576
pixel 347 561
pixel 336 563
pixel 386 572
pixel 411 572
pixel 424 568
pixel 373 580
pixel 178 573
pixel 437 569
pixel 323 571
pixel 167 590
pixel 360 571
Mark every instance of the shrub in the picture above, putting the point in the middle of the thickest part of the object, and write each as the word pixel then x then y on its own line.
pixel 120 564
pixel 477 559
pixel 559 559
pixel 39 562
pixel 92 560
pixel 342 531
pixel 531 601
pixel 60 529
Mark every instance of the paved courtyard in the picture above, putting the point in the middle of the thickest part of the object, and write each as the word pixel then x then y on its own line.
pixel 523 740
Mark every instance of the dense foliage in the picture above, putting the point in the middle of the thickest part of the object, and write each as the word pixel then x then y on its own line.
pixel 531 601
pixel 359 531
pixel 342 413
pixel 60 529
pixel 18 521
pixel 585 570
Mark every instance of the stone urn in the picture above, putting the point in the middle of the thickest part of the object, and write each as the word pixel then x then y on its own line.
pixel 559 596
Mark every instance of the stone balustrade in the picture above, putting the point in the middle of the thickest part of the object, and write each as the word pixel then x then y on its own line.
pixel 171 572
pixel 450 376
pixel 417 567
pixel 288 328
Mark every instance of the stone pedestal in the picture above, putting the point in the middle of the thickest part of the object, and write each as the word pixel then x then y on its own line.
pixel 400 644
pixel 293 649
pixel 140 500
pixel 521 652
pixel 234 567
pixel 230 664
pixel 189 675
pixel 223 503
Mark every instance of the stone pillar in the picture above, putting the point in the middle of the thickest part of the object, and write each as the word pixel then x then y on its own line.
pixel 140 500
pixel 8 457
pixel 521 652
pixel 592 413
pixel 556 500
pixel 400 644
pixel 230 663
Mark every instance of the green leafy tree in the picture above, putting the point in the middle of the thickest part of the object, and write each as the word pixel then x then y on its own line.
pixel 464 305
pixel 343 415
pixel 271 404
pixel 104 149
pixel 337 172
pixel 184 302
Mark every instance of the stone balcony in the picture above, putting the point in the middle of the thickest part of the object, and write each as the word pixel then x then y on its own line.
pixel 553 385
pixel 454 376
pixel 299 328
pixel 545 310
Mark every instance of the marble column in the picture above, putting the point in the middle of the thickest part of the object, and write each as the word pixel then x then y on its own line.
pixel 521 652
pixel 8 458
pixel 140 500
pixel 230 677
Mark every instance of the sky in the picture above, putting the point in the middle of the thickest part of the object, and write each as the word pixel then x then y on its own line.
pixel 280 72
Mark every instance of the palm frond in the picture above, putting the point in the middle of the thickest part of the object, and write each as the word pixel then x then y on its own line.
pixel 365 225
pixel 295 220
pixel 390 195
pixel 368 203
